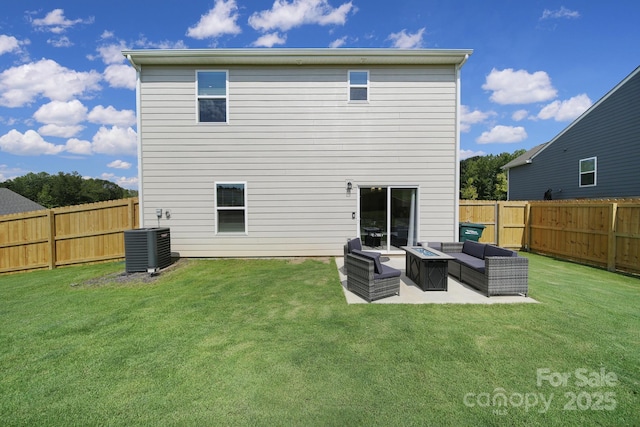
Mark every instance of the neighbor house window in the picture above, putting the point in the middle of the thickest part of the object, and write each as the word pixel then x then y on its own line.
pixel 212 96
pixel 588 168
pixel 231 207
pixel 358 86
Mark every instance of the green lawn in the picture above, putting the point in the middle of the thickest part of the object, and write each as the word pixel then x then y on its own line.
pixel 272 342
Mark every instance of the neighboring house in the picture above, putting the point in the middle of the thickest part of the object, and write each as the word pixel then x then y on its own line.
pixel 290 152
pixel 596 156
pixel 11 203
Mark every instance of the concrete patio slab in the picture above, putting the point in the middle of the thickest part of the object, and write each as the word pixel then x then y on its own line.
pixel 410 293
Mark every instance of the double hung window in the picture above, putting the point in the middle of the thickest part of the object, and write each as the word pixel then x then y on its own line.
pixel 358 86
pixel 588 169
pixel 231 207
pixel 212 96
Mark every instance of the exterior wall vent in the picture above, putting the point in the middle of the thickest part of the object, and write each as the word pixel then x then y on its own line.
pixel 147 249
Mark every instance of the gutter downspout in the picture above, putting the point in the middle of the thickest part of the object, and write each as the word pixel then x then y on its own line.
pixel 456 203
pixel 138 69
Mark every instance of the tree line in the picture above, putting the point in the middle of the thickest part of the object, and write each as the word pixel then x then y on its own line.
pixel 65 189
pixel 481 177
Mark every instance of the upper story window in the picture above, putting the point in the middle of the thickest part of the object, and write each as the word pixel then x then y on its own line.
pixel 588 170
pixel 212 96
pixel 358 86
pixel 231 207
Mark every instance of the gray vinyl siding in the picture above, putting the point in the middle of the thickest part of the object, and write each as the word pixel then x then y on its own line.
pixel 295 140
pixel 610 132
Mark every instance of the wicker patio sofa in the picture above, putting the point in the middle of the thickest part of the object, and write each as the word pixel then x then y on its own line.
pixel 369 278
pixel 490 269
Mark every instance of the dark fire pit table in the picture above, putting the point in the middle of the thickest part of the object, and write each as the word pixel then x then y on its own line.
pixel 427 267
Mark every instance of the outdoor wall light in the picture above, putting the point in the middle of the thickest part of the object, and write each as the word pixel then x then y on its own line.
pixel 349 186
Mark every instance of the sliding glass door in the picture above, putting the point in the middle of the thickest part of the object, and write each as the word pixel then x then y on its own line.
pixel 388 217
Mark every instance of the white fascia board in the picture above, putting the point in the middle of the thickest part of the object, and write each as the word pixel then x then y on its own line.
pixel 297 56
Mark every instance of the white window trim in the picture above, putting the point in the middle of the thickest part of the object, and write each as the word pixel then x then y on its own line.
pixel 595 172
pixel 226 97
pixel 219 208
pixel 349 86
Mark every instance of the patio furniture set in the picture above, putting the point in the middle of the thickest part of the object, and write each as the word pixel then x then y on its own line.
pixel 490 269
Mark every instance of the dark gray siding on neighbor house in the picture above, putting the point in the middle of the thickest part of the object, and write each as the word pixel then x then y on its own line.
pixel 610 132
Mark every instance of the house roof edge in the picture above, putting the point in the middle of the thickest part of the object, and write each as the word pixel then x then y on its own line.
pixel 525 158
pixel 584 114
pixel 323 56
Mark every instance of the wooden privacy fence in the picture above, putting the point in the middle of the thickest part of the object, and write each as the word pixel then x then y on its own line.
pixel 604 233
pixel 63 236
pixel 504 222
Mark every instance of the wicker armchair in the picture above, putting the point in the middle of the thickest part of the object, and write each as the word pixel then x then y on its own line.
pixel 355 244
pixel 363 280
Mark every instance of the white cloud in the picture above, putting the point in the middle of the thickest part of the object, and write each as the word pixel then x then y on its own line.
pixel 465 154
pixel 284 16
pixel 107 35
pixel 60 131
pixel 503 134
pixel 9 121
pixel 468 118
pixel 562 111
pixel 63 41
pixel 21 85
pixel 115 140
pixel 9 173
pixel 120 75
pixel 519 87
pixel 119 164
pixel 78 146
pixel 338 42
pixel 165 44
pixel 112 53
pixel 218 21
pixel 56 22
pixel 519 115
pixel 111 116
pixel 122 181
pixel 404 40
pixel 61 113
pixel 270 39
pixel 28 144
pixel 563 12
pixel 8 44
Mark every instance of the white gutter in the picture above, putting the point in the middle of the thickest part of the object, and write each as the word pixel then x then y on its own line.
pixel 138 69
pixel 352 57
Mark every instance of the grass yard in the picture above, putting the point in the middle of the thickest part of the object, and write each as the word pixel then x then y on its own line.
pixel 272 342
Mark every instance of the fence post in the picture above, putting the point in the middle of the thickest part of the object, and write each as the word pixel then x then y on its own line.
pixel 497 219
pixel 612 243
pixel 132 214
pixel 527 227
pixel 52 238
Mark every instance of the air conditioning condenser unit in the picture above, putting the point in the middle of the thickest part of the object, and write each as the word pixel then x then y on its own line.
pixel 147 249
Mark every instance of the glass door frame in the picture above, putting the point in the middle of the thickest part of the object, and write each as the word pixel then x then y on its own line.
pixel 387 249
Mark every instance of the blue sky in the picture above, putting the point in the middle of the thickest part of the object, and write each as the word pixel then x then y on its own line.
pixel 67 96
